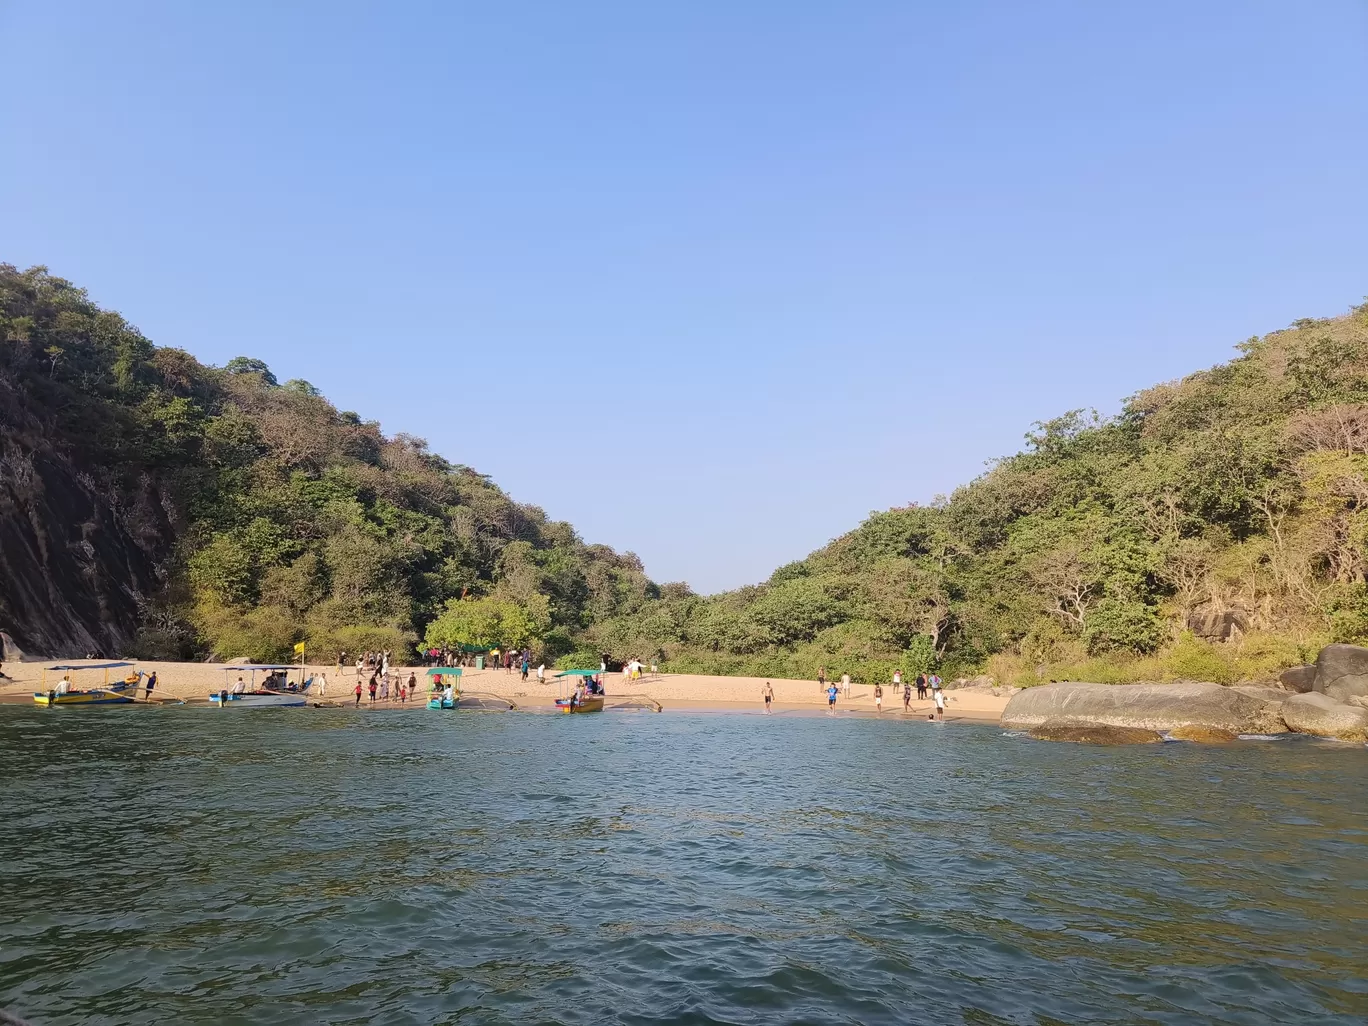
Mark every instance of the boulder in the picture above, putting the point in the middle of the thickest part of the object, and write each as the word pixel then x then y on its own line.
pixel 1314 713
pixel 1095 734
pixel 1262 692
pixel 1145 706
pixel 1299 679
pixel 1342 671
pixel 1203 735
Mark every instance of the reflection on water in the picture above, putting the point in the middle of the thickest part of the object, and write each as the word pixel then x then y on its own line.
pixel 326 866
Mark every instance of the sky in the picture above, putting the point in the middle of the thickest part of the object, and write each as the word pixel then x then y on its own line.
pixel 710 281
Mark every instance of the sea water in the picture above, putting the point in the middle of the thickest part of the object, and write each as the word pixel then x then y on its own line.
pixel 196 866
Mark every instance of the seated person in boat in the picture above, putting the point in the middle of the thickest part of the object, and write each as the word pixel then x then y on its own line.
pixel 63 686
pixel 449 695
pixel 240 688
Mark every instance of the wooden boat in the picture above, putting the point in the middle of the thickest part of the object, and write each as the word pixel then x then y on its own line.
pixel 269 695
pixel 122 692
pixel 584 699
pixel 438 699
pixel 587 704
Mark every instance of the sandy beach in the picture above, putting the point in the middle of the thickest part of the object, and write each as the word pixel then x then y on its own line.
pixel 195 681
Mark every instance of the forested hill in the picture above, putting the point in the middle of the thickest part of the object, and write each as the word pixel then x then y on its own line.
pixel 151 505
pixel 1215 529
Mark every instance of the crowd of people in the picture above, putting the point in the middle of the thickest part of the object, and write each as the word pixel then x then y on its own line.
pixel 926 684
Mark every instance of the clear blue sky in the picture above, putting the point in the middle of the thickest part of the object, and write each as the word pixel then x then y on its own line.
pixel 711 281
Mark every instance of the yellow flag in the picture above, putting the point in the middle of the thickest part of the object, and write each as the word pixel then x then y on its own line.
pixel 299 649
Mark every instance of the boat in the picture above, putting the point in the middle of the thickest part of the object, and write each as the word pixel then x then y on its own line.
pixel 121 692
pixel 588 694
pixel 276 692
pixel 438 699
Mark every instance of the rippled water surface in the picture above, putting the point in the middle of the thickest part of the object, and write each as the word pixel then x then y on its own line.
pixel 326 866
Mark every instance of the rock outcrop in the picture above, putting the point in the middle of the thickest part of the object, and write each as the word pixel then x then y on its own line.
pixel 1145 706
pixel 1342 672
pixel 1314 713
pixel 1095 734
pixel 1299 679
pixel 1203 735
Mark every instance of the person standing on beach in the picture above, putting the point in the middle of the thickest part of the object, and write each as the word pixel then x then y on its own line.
pixel 878 698
pixel 358 694
pixel 322 685
pixel 831 697
pixel 768 692
pixel 921 686
pixel 940 704
pixel 412 683
pixel 897 680
pixel 907 697
pixel 541 674
pixel 526 665
pixel 374 686
pixel 845 684
pixel 821 679
pixel 935 683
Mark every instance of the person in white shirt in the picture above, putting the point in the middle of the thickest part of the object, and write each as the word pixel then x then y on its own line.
pixel 940 704
pixel 64 686
pixel 322 685
pixel 845 684
pixel 240 687
pixel 541 674
pixel 449 694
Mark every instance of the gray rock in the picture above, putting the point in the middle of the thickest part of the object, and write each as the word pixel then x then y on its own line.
pixel 1300 679
pixel 1146 706
pixel 1314 713
pixel 1262 692
pixel 1342 671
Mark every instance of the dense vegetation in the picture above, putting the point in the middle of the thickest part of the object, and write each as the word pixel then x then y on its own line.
pixel 276 518
pixel 1215 528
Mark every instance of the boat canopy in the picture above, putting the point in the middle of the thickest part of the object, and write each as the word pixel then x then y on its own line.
pixel 90 666
pixel 253 666
pixel 444 671
pixel 579 673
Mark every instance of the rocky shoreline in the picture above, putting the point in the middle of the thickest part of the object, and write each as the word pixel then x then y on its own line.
pixel 1328 699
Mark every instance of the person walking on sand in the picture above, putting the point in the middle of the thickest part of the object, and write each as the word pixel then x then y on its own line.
pixel 878 698
pixel 845 684
pixel 768 692
pixel 907 697
pixel 151 684
pixel 403 692
pixel 412 683
pixel 821 679
pixel 940 704
pixel 526 665
pixel 831 698
pixel 358 694
pixel 373 688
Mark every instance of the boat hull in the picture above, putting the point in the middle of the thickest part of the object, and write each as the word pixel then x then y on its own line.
pixel 590 703
pixel 81 698
pixel 442 703
pixel 250 701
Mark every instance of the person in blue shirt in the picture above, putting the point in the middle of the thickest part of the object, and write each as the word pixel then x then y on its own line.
pixel 832 691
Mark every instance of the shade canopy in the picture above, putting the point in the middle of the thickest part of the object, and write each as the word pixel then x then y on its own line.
pixel 255 666
pixel 444 671
pixel 91 666
pixel 579 673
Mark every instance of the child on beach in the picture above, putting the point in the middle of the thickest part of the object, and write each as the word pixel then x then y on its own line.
pixel 831 698
pixel 358 694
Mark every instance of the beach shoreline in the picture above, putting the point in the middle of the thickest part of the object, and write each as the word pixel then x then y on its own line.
pixel 680 692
